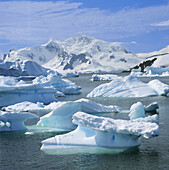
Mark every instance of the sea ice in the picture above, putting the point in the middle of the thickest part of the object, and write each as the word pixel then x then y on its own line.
pixel 63 85
pixel 104 132
pixel 13 121
pixel 129 86
pixel 61 117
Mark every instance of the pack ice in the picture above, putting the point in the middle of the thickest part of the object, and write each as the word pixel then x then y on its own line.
pixel 14 121
pixel 130 86
pixel 13 91
pixel 62 85
pixel 104 132
pixel 61 117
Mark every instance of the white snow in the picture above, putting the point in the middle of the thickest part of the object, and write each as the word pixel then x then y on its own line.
pixel 61 117
pixel 14 121
pixel 161 55
pixel 103 132
pixel 81 54
pixel 105 77
pixel 63 85
pixel 129 86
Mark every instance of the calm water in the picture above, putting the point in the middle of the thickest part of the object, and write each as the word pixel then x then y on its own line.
pixel 20 151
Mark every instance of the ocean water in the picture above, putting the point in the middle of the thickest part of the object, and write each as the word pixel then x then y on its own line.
pixel 22 151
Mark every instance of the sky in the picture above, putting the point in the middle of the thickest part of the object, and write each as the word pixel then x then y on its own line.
pixel 139 25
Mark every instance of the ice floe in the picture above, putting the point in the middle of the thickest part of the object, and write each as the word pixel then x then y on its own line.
pixel 104 132
pixel 61 117
pixel 14 121
pixel 129 86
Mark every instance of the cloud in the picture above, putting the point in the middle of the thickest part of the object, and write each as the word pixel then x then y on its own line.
pixel 37 21
pixel 162 24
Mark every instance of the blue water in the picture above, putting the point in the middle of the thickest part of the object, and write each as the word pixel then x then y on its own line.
pixel 21 151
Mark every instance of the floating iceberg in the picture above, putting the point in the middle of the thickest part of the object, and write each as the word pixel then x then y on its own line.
pixel 104 132
pixel 63 85
pixel 13 121
pixel 129 86
pixel 61 117
pixel 105 77
pixel 13 91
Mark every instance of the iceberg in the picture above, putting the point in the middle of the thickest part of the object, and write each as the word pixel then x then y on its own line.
pixel 103 132
pixel 105 77
pixel 37 108
pixel 61 117
pixel 129 86
pixel 14 121
pixel 137 111
pixel 63 85
pixel 160 88
pixel 151 107
pixel 13 91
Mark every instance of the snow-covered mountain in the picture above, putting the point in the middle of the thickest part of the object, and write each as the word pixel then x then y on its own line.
pixel 81 54
pixel 161 57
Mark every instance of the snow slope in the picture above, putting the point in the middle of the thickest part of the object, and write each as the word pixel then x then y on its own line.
pixel 161 55
pixel 81 53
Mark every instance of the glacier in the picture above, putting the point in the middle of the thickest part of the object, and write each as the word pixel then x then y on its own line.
pixel 61 116
pixel 14 121
pixel 97 131
pixel 130 86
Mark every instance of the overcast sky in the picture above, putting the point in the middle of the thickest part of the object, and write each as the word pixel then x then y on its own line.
pixel 140 25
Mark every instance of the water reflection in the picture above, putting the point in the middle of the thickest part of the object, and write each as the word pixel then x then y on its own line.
pixel 69 150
